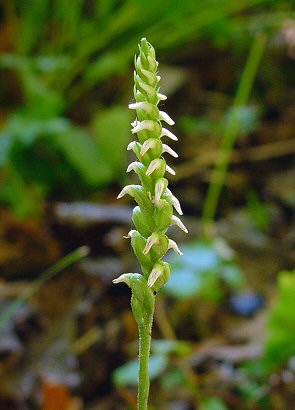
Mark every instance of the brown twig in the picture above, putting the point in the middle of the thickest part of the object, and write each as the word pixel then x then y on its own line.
pixel 263 152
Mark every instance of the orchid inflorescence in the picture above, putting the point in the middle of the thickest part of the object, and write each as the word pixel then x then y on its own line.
pixel 154 213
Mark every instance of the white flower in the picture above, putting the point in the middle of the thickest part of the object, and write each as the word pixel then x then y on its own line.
pixel 146 106
pixel 126 190
pixel 133 166
pixel 176 221
pixel 160 187
pixel 174 201
pixel 155 164
pixel 143 125
pixel 148 144
pixel 151 241
pixel 165 117
pixel 155 274
pixel 170 170
pixel 168 134
pixel 170 151
pixel 173 245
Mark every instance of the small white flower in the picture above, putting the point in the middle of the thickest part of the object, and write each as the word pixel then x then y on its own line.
pixel 162 97
pixel 176 221
pixel 165 117
pixel 160 187
pixel 175 202
pixel 144 125
pixel 173 245
pixel 131 233
pixel 131 145
pixel 126 190
pixel 170 170
pixel 168 134
pixel 133 165
pixel 148 144
pixel 155 164
pixel 170 151
pixel 147 107
pixel 121 278
pixel 155 274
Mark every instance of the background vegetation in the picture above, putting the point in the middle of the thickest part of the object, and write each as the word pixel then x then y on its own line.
pixel 224 328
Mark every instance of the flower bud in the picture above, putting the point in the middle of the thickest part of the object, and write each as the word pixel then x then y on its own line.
pixel 142 301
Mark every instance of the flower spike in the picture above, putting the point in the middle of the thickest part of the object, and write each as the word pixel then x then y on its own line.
pixel 155 202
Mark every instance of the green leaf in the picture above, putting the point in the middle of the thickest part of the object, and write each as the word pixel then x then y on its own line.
pixel 41 100
pixel 23 199
pixel 85 156
pixel 26 128
pixel 128 373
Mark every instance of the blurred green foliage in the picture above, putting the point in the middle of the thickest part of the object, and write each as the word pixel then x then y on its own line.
pixel 61 52
pixel 280 336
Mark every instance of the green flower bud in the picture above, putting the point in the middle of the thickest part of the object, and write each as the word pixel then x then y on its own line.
pixel 139 243
pixel 143 222
pixel 142 301
pixel 163 215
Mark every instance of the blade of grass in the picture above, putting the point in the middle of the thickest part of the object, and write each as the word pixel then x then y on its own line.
pixel 230 134
pixel 30 289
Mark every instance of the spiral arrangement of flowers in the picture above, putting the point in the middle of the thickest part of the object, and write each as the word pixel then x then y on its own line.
pixel 155 202
pixel 154 213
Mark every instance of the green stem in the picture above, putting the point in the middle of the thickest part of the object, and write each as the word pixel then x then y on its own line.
pixel 145 332
pixel 230 134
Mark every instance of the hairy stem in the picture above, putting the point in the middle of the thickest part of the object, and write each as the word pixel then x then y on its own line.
pixel 145 332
